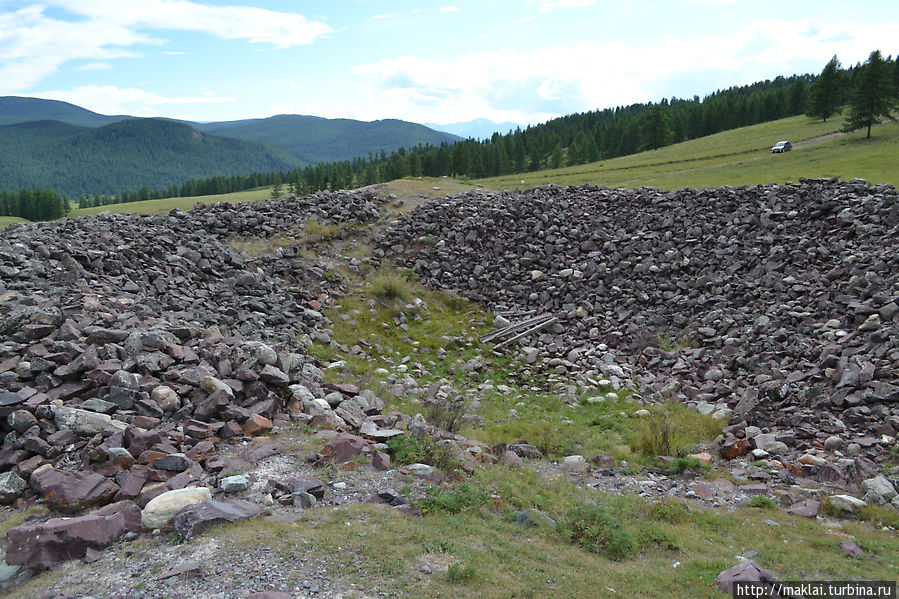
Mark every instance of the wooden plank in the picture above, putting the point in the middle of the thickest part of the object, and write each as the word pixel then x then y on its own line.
pixel 514 328
pixel 530 331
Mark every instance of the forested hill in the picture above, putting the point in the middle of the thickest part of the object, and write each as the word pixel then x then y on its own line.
pixel 309 139
pixel 315 139
pixel 125 155
pixel 16 109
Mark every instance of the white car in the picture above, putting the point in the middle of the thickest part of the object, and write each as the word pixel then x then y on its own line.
pixel 781 147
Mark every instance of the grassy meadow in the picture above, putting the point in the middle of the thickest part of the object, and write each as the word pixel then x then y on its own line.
pixel 738 157
pixel 168 204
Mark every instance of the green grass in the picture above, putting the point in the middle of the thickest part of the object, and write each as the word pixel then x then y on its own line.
pixel 607 545
pixel 5 221
pixel 168 204
pixel 737 157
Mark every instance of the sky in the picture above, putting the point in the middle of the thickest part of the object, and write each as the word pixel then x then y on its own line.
pixel 447 61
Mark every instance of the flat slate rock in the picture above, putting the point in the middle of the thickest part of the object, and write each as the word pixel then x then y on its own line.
pixel 60 539
pixel 197 517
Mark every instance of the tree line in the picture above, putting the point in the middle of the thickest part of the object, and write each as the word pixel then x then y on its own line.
pixel 33 204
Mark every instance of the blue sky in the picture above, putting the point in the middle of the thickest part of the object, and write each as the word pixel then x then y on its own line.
pixel 437 62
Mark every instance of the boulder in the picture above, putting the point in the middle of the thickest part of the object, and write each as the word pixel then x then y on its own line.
pixel 11 487
pixel 343 447
pixel 195 518
pixel 163 508
pixel 59 539
pixel 72 492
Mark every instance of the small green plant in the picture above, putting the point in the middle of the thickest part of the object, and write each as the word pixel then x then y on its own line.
pixel 388 285
pixel 331 277
pixel 879 515
pixel 428 239
pixel 459 572
pixel 410 449
pixel 669 510
pixel 762 501
pixel 594 529
pixel 465 498
pixel 656 435
pixel 672 430
pixel 176 538
pixel 686 463
pixel 439 546
pixel 650 533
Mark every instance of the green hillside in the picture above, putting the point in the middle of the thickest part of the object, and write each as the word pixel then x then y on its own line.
pixel 737 157
pixel 315 139
pixel 125 155
pixel 17 109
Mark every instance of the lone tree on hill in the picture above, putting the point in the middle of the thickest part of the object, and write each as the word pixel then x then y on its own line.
pixel 873 95
pixel 826 92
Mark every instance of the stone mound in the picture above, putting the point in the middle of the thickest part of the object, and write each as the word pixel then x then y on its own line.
pixel 130 343
pixel 776 305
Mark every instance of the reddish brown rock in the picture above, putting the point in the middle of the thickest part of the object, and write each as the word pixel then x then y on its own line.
pixel 807 508
pixel 257 425
pixel 70 491
pixel 732 447
pixel 59 539
pixel 343 447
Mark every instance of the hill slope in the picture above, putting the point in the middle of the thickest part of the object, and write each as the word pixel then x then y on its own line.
pixel 17 109
pixel 309 139
pixel 125 155
pixel 315 139
pixel 737 157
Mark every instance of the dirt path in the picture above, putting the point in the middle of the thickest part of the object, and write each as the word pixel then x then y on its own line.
pixel 818 140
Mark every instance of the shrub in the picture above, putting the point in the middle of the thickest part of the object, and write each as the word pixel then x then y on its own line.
pixel 656 435
pixel 669 510
pixel 594 529
pixel 446 414
pixel 681 464
pixel 762 501
pixel 453 501
pixel 409 449
pixel 672 430
pixel 390 286
pixel 650 533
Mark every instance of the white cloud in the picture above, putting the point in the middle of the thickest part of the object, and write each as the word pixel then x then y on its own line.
pixel 554 4
pixel 449 9
pixel 258 25
pixel 109 99
pixel 378 17
pixel 533 85
pixel 34 45
pixel 94 66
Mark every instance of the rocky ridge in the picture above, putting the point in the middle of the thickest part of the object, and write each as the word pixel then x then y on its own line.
pixel 772 306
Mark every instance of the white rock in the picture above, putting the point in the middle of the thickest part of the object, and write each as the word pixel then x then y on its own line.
pixel 163 508
pixel 234 484
pixel 846 503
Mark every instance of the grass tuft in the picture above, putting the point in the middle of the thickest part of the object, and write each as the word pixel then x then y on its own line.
pixel 594 529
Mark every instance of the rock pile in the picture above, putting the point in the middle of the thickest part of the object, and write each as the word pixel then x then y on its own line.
pixel 130 343
pixel 776 307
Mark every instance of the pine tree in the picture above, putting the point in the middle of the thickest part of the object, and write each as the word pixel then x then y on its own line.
pixel 873 95
pixel 826 92
pixel 656 128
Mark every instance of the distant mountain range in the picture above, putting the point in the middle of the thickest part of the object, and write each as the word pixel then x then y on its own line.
pixel 476 129
pixel 57 145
